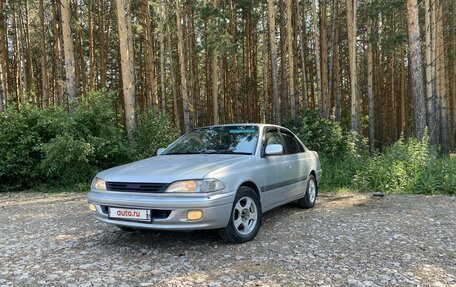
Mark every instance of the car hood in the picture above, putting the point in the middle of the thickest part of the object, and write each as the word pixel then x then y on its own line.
pixel 169 168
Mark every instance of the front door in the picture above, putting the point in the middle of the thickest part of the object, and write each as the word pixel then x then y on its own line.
pixel 278 173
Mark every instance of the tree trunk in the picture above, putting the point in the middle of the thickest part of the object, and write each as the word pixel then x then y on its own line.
pixel 57 64
pixel 337 83
pixel 351 29
pixel 283 60
pixel 68 49
pixel 234 63
pixel 80 67
pixel 197 110
pixel 214 74
pixel 182 66
pixel 333 47
pixel 403 101
pixel 151 90
pixel 427 59
pixel 273 48
pixel 2 95
pixel 370 90
pixel 4 59
pixel 441 71
pixel 44 69
pixel 316 36
pixel 302 28
pixel 172 75
pixel 91 46
pixel 162 19
pixel 22 78
pixel 324 58
pixel 27 51
pixel 105 39
pixel 266 111
pixel 291 75
pixel 416 69
pixel 127 64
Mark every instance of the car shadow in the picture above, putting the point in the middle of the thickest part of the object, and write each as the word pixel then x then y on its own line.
pixel 168 239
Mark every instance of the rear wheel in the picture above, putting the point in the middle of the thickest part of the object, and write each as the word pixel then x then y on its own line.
pixel 308 201
pixel 245 218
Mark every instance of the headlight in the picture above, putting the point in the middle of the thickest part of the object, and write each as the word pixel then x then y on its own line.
pixel 210 185
pixel 207 185
pixel 183 186
pixel 98 183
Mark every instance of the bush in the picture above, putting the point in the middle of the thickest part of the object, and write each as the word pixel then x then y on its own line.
pixel 397 169
pixel 91 141
pixel 342 152
pixel 327 137
pixel 154 131
pixel 439 176
pixel 55 148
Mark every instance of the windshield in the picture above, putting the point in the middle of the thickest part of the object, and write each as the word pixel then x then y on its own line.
pixel 217 140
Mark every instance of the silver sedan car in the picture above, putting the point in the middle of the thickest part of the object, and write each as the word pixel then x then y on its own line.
pixel 218 177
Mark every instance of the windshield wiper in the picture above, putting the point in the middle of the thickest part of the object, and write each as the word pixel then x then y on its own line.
pixel 233 152
pixel 182 152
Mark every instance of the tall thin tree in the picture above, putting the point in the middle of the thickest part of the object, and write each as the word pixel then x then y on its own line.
pixel 317 53
pixel 419 109
pixel 127 64
pixel 290 50
pixel 44 68
pixel 182 67
pixel 273 48
pixel 215 72
pixel 161 27
pixel 351 30
pixel 70 69
pixel 370 89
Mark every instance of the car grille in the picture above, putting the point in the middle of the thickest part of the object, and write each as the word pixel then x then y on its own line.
pixel 136 187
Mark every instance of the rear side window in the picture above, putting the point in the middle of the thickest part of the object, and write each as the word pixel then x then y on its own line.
pixel 292 145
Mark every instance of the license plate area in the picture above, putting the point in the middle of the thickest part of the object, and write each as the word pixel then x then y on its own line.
pixel 130 214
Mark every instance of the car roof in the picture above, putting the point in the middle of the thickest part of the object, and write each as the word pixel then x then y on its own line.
pixel 243 124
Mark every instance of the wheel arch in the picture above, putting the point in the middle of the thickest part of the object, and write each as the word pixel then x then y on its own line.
pixel 252 185
pixel 312 172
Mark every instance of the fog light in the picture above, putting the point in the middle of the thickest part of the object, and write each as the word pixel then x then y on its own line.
pixel 92 207
pixel 194 214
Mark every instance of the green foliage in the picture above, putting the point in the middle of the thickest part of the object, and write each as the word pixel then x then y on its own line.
pixel 342 152
pixel 409 166
pixel 55 148
pixel 328 138
pixel 91 141
pixel 154 131
pixel 339 173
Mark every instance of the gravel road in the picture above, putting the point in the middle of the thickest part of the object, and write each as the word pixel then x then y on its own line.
pixel 346 240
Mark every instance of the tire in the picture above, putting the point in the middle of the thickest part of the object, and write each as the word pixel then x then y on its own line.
pixel 308 201
pixel 245 217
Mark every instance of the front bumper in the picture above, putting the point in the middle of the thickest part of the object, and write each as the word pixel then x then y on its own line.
pixel 216 209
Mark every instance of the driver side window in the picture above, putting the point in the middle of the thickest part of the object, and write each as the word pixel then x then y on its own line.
pixel 273 137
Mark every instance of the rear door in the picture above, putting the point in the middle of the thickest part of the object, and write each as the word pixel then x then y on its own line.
pixel 297 158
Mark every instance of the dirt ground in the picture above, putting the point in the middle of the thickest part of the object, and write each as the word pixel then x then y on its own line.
pixel 346 240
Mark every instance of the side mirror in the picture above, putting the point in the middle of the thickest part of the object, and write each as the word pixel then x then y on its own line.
pixel 160 151
pixel 274 149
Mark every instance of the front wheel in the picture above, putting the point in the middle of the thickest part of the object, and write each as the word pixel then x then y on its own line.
pixel 245 218
pixel 308 201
